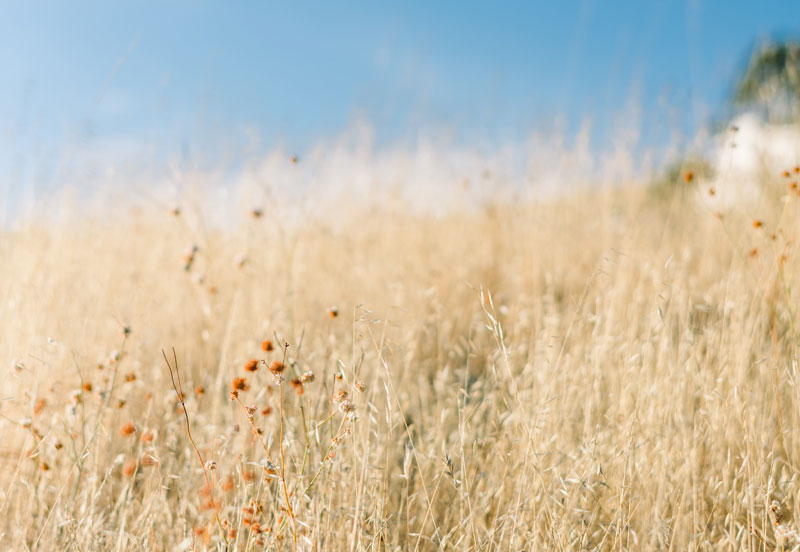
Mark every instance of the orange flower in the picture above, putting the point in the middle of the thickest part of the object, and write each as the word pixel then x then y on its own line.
pixel 757 224
pixel 688 176
pixel 297 385
pixel 267 346
pixel 129 469
pixel 276 367
pixel 39 405
pixel 127 430
pixel 251 365
pixel 240 384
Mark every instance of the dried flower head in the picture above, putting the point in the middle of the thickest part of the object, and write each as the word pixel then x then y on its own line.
pixel 758 224
pixel 307 377
pixel 277 367
pixel 297 385
pixel 688 176
pixel 240 384
pixel 267 345
pixel 199 390
pixel 333 312
pixel 251 365
pixel 127 429
pixel 87 386
pixel 340 396
pixel 347 406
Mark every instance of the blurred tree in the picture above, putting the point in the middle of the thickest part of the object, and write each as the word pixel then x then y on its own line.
pixel 771 82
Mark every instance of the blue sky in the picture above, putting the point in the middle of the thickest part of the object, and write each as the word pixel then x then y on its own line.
pixel 206 79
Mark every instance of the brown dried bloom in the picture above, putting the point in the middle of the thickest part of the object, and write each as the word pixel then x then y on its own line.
pixel 297 385
pixel 240 384
pixel 307 377
pixel 267 345
pixel 277 367
pixel 340 396
pixel 251 365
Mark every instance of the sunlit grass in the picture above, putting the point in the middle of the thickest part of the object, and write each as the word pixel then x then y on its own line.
pixel 602 371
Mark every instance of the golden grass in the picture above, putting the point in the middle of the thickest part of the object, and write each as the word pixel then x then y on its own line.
pixel 627 379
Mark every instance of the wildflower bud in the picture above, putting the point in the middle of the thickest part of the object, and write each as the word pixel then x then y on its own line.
pixel 129 469
pixel 149 460
pixel 211 465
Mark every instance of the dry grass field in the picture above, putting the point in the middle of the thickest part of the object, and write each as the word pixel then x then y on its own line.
pixel 608 370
